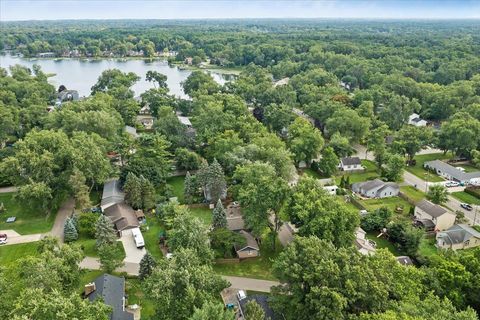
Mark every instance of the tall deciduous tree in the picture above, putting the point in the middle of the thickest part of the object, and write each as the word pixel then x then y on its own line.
pixel 80 190
pixel 212 310
pixel 304 140
pixel 329 162
pixel 437 194
pixel 393 169
pixel 410 140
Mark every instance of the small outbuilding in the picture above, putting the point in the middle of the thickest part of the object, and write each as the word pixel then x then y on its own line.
pixel 351 164
pixel 250 249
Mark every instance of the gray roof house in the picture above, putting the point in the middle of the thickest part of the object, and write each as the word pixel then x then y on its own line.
pixel 112 194
pixel 459 236
pixel 404 260
pixel 122 216
pixel 250 249
pixel 111 290
pixel 439 216
pixel 376 189
pixel 450 172
pixel 350 164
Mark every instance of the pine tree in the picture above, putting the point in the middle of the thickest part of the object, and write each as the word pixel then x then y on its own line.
pixel 147 264
pixel 148 193
pixel 347 182
pixel 104 232
pixel 216 183
pixel 253 311
pixel 342 182
pixel 69 231
pixel 219 216
pixel 133 191
pixel 190 188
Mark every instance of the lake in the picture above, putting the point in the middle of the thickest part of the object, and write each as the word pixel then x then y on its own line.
pixel 82 74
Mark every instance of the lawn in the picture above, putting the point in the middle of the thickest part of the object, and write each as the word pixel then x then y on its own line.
pixel 311 173
pixel 178 186
pixel 420 172
pixel 259 268
pixel 151 238
pixel 96 196
pixel 383 243
pixel 412 193
pixel 427 247
pixel 14 252
pixel 391 203
pixel 370 173
pixel 466 197
pixel 88 246
pixel 133 289
pixel 28 221
pixel 203 213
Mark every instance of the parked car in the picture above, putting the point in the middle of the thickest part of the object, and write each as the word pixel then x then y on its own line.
pixel 451 184
pixel 3 238
pixel 466 206
pixel 241 295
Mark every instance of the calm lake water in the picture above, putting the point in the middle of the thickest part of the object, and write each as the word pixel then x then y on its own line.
pixel 82 74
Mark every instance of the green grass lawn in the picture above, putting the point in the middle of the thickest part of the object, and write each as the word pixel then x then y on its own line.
pixel 466 197
pixel 369 173
pixel 391 203
pixel 311 173
pixel 14 252
pixel 96 196
pixel 419 171
pixel 468 167
pixel 134 291
pixel 259 268
pixel 178 186
pixel 203 213
pixel 88 246
pixel 28 221
pixel 151 238
pixel 412 193
pixel 383 243
pixel 427 247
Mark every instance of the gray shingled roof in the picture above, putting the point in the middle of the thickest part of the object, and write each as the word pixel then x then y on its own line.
pixel 451 170
pixel 351 161
pixel 111 290
pixel 430 208
pixel 250 241
pixel 122 215
pixel 112 193
pixel 458 233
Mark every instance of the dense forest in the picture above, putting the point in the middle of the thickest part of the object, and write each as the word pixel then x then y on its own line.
pixel 351 82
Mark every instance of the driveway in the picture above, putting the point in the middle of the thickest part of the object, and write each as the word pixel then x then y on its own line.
pixel 15 238
pixel 133 255
pixel 251 284
pixel 8 189
pixel 63 213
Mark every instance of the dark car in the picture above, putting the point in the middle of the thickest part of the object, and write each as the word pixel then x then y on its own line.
pixel 466 206
pixel 3 238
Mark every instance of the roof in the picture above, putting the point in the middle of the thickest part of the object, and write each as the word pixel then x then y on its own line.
pixel 112 193
pixel 404 260
pixel 111 290
pixel 184 120
pixel 451 170
pixel 251 242
pixel 430 208
pixel 348 161
pixel 122 216
pixel 458 233
pixel 375 184
pixel 235 220
pixel 262 300
pixel 132 131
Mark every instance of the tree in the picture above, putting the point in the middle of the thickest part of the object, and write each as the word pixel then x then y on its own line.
pixel 341 145
pixel 223 241
pixel 181 284
pixel 168 125
pixel 104 232
pixel 394 167
pixel 213 182
pixel 157 78
pixel 35 194
pixel 406 237
pixel 219 216
pixel 376 220
pixel 349 124
pixel 329 162
pixel 199 81
pixel 87 224
pixel 304 140
pixel 211 310
pixel 254 311
pixel 437 194
pixel 314 212
pixel 147 265
pixel 187 160
pixel 191 188
pixel 80 190
pixel 376 142
pixel 189 232
pixel 110 258
pixel 460 134
pixel 410 140
pixel 262 194
pixel 113 79
pixel 139 192
pixel 69 231
pixel 278 117
pixel 320 281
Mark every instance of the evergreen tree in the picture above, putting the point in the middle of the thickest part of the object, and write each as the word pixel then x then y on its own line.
pixel 219 216
pixel 104 232
pixel 216 183
pixel 133 190
pixel 147 264
pixel 347 182
pixel 253 311
pixel 342 182
pixel 69 231
pixel 190 188
pixel 148 194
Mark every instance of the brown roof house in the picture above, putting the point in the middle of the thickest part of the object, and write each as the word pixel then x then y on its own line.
pixel 250 249
pixel 123 217
pixel 439 216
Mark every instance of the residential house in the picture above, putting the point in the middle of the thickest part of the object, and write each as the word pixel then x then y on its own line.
pixel 439 216
pixel 376 189
pixel 112 194
pixel 350 164
pixel 364 246
pixel 449 172
pixel 459 236
pixel 262 301
pixel 281 82
pixel 248 250
pixel 187 123
pixel 122 216
pixel 235 220
pixel 65 96
pixel 331 190
pixel 110 290
pixel 415 120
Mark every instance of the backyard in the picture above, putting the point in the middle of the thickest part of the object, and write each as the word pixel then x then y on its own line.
pixel 370 173
pixel 413 193
pixel 391 203
pixel 14 252
pixel 203 213
pixel 383 243
pixel 151 237
pixel 88 247
pixel 178 186
pixel 420 172
pixel 28 220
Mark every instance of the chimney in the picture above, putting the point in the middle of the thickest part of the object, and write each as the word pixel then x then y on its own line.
pixel 89 288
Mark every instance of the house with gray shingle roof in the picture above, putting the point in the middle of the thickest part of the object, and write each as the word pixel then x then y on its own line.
pixel 350 164
pixel 449 172
pixel 376 189
pixel 459 236
pixel 439 216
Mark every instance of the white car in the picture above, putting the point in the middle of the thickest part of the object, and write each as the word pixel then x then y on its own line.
pixel 451 184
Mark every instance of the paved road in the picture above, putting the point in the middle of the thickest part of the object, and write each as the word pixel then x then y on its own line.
pixel 8 189
pixel 63 213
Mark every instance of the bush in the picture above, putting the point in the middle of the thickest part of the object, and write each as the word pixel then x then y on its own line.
pixel 86 224
pixel 474 191
pixel 376 220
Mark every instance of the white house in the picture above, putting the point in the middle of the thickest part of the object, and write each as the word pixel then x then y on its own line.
pixel 350 164
pixel 415 120
pixel 439 216
pixel 376 189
